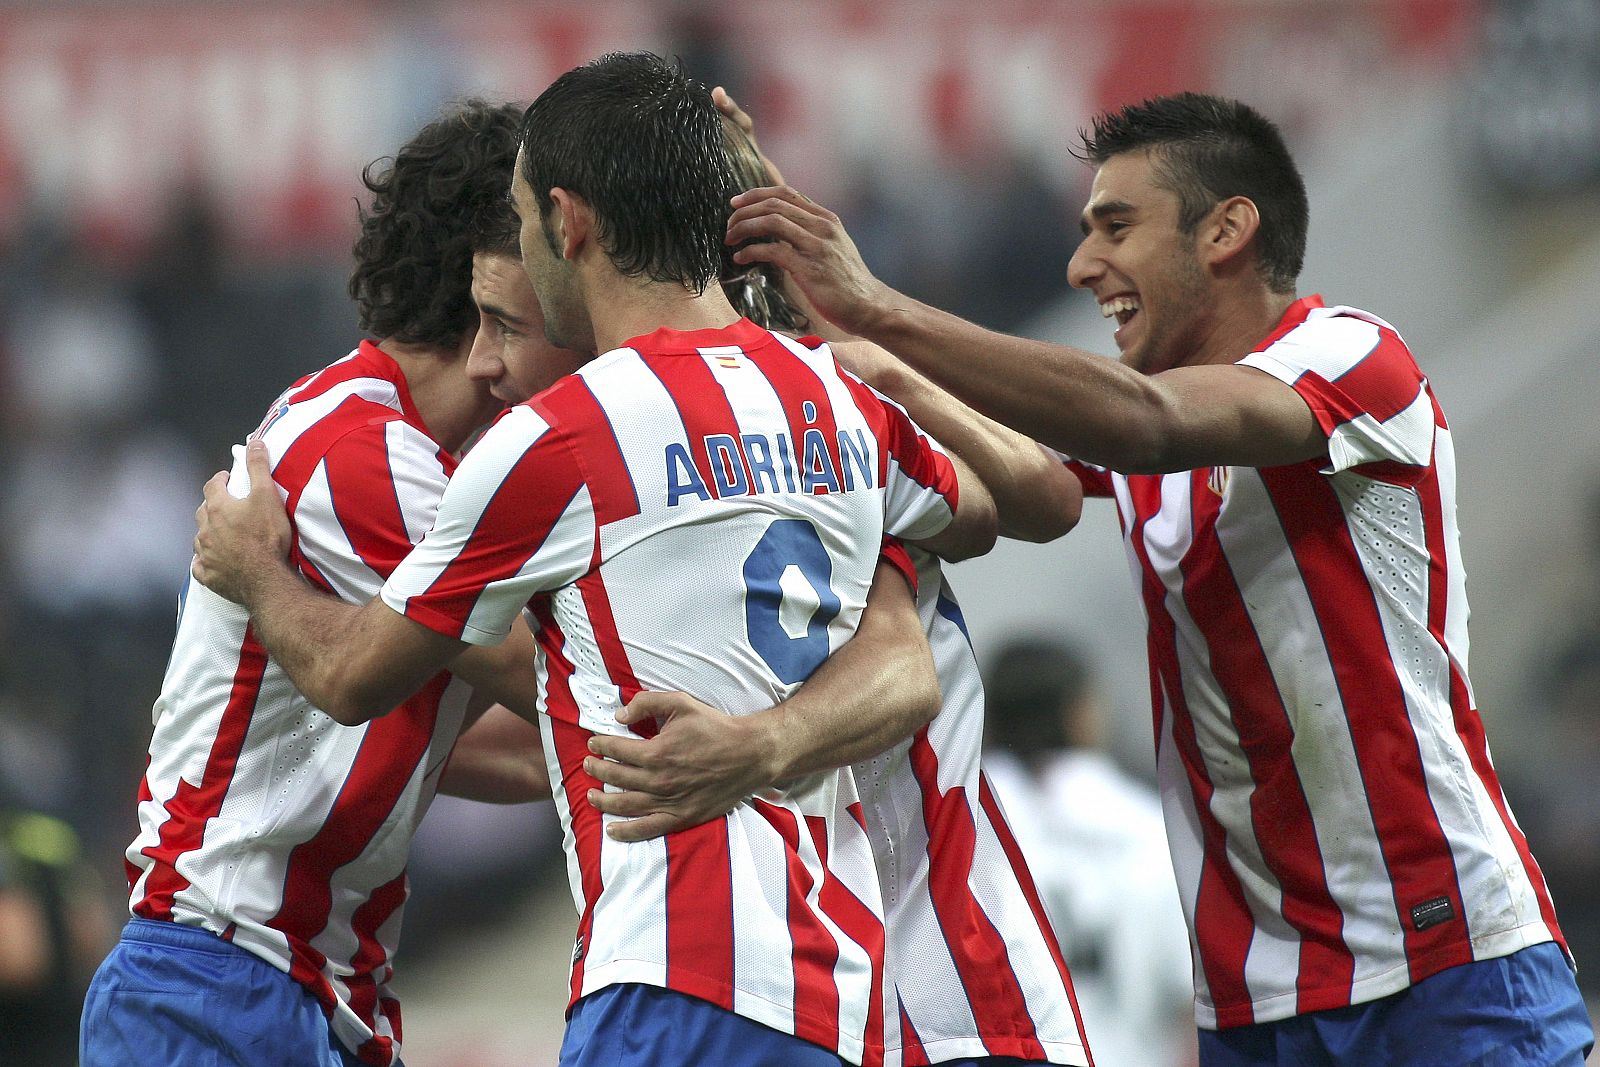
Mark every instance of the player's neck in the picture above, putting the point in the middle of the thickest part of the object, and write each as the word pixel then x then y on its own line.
pixel 437 382
pixel 622 308
pixel 1239 323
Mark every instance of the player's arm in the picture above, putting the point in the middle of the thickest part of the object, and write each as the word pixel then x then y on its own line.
pixel 1087 406
pixel 354 662
pixel 1035 497
pixel 498 759
pixel 878 688
pixel 975 525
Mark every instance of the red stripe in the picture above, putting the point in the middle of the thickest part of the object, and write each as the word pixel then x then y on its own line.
pixel 700 913
pixel 193 806
pixel 912 1054
pixel 1030 892
pixel 1224 925
pixel 795 383
pixel 613 653
pixel 535 493
pixel 391 749
pixel 298 462
pixel 1280 812
pixel 703 407
pixel 382 904
pixel 898 436
pixel 860 925
pixel 1468 724
pixel 574 407
pixel 1388 754
pixel 976 947
pixel 816 952
pixel 365 502
pixel 571 744
pixel 1383 384
pixel 1096 482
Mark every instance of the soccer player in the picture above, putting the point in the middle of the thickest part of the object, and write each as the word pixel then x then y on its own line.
pixel 976 974
pixel 1356 888
pixel 269 870
pixel 699 509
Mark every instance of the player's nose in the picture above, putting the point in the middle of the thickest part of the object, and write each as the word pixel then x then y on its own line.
pixel 1085 265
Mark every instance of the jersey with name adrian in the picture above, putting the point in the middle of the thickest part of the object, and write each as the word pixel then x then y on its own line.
pixel 261 819
pixel 697 511
pixel 1336 824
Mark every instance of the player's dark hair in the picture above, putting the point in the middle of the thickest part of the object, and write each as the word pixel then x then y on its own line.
pixel 413 274
pixel 755 291
pixel 1033 685
pixel 1207 149
pixel 642 144
pixel 497 230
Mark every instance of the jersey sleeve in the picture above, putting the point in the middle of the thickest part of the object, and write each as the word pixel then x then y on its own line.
pixel 920 488
pixel 1366 392
pixel 516 521
pixel 1096 480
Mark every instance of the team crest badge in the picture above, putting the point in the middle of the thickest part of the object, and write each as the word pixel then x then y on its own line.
pixel 1217 482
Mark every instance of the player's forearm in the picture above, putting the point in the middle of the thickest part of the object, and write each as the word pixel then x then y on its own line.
pixel 323 644
pixel 498 760
pixel 505 672
pixel 1085 405
pixel 877 690
pixel 1035 497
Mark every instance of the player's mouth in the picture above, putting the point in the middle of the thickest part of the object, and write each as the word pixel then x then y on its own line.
pixel 1123 309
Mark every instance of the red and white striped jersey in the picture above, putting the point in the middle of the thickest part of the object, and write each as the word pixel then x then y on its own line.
pixel 974 967
pixel 1337 827
pixel 262 819
pixel 697 511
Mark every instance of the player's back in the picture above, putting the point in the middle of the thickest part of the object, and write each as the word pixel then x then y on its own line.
pixel 973 964
pixel 698 512
pixel 262 819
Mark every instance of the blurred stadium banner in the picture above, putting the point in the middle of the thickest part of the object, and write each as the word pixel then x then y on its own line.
pixel 108 112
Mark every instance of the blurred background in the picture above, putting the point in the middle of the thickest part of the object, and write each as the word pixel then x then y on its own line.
pixel 178 189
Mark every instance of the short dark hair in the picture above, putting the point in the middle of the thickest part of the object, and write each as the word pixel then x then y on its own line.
pixel 642 143
pixel 1030 684
pixel 497 230
pixel 413 274
pixel 755 291
pixel 1206 149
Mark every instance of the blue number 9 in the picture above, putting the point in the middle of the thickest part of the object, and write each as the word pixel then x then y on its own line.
pixel 788 543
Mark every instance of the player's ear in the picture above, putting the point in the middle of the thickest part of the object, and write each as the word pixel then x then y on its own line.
pixel 1229 229
pixel 573 221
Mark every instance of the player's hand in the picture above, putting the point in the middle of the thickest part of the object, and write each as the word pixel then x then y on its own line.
pixel 741 118
pixel 240 538
pixel 808 242
pixel 699 766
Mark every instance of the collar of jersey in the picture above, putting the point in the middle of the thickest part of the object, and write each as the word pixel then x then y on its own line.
pixel 385 367
pixel 1294 316
pixel 741 334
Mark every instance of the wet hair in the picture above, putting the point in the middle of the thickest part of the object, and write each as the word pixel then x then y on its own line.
pixel 642 144
pixel 755 291
pixel 1207 149
pixel 1029 687
pixel 497 230
pixel 413 274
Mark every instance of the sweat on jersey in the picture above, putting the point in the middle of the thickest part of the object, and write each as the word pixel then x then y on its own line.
pixel 261 819
pixel 697 511
pixel 1336 824
pixel 974 969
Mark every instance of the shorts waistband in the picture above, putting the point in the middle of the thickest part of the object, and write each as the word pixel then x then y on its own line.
pixel 177 935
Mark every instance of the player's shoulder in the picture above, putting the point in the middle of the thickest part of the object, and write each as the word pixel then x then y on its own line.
pixel 354 402
pixel 1333 341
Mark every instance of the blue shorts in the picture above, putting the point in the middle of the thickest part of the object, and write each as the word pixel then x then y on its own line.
pixel 634 1025
pixel 1521 1010
pixel 171 994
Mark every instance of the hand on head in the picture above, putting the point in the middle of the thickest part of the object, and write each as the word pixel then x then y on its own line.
pixel 808 242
